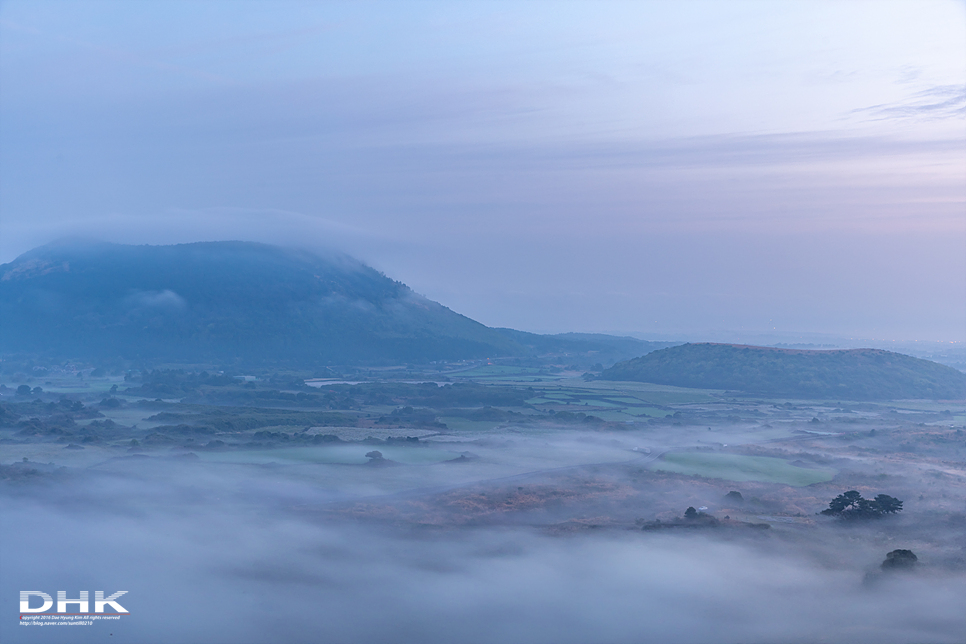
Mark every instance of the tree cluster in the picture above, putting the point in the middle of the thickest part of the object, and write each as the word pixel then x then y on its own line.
pixel 900 560
pixel 851 505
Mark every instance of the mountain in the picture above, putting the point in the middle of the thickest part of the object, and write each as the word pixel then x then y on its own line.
pixel 225 302
pixel 853 374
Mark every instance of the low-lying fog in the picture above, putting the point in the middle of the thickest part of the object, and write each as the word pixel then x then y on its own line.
pixel 253 553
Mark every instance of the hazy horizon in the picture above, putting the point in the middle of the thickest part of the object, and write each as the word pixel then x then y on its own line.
pixel 782 169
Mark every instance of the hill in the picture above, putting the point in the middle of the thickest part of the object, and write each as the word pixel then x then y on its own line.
pixel 853 374
pixel 584 348
pixel 225 302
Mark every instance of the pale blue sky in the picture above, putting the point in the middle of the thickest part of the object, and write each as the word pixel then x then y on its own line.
pixel 653 167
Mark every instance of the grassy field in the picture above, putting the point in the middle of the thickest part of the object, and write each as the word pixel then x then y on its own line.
pixel 75 386
pixel 493 373
pixel 129 416
pixel 455 423
pixel 614 401
pixel 639 391
pixel 735 467
pixel 653 412
pixel 353 454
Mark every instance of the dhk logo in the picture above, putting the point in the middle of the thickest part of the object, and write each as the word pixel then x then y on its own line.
pixel 82 604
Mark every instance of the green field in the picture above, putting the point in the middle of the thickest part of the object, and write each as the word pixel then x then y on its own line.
pixel 645 392
pixel 615 403
pixel 351 454
pixel 494 372
pixel 456 423
pixel 653 412
pixel 735 467
pixel 76 386
pixel 542 401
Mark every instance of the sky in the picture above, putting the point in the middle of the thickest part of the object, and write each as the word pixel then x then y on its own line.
pixel 678 169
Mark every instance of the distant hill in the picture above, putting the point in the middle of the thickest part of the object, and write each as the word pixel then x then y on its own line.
pixel 225 302
pixel 592 347
pixel 853 374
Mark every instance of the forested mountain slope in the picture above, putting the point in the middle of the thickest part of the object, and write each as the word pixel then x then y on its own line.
pixel 225 301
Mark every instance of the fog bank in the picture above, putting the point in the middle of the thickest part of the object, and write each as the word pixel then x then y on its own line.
pixel 215 567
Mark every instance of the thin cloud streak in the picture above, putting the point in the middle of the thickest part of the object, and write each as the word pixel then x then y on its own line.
pixel 938 103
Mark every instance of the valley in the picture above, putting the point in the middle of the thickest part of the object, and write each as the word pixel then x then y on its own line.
pixel 559 454
pixel 431 475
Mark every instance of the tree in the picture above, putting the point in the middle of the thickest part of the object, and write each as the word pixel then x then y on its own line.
pixel 846 501
pixel 851 505
pixel 887 504
pixel 690 513
pixel 900 560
